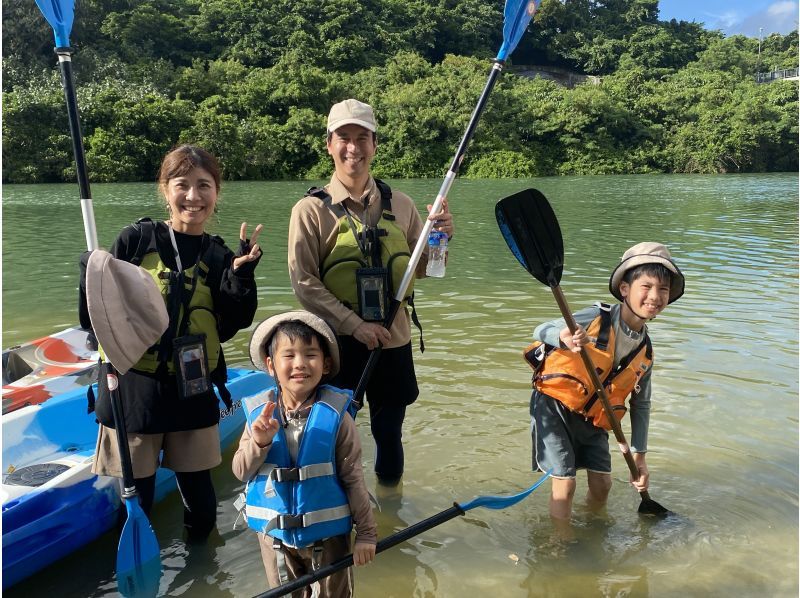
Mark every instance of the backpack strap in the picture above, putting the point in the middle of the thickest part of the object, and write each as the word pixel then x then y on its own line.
pixel 147 239
pixel 386 199
pixel 605 327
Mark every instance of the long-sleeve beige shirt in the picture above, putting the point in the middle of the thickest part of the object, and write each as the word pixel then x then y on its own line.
pixel 250 457
pixel 313 229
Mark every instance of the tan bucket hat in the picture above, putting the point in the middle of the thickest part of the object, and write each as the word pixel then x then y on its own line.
pixel 126 308
pixel 262 336
pixel 647 253
pixel 351 112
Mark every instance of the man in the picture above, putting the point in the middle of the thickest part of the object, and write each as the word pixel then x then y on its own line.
pixel 349 245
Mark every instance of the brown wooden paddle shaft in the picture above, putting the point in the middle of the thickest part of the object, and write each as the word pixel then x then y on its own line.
pixel 625 449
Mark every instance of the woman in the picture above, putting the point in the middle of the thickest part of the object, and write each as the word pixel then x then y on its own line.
pixel 210 293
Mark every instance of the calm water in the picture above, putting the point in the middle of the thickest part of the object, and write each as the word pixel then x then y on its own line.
pixel 724 432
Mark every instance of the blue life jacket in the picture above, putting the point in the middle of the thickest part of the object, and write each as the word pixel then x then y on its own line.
pixel 300 503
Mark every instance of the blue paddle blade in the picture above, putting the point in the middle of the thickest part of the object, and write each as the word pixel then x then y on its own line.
pixel 59 13
pixel 138 556
pixel 516 16
pixel 505 230
pixel 530 228
pixel 501 502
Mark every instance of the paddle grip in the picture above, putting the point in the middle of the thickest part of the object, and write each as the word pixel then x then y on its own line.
pixel 598 385
pixel 347 561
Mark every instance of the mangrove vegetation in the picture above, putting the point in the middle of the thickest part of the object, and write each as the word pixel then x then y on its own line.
pixel 253 81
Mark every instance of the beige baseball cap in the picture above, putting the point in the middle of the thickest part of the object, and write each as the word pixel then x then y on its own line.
pixel 647 253
pixel 351 112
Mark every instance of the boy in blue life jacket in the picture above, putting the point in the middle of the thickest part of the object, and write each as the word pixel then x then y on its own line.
pixel 568 423
pixel 300 455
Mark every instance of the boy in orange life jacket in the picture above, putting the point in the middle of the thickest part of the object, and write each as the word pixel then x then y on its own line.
pixel 568 427
pixel 301 457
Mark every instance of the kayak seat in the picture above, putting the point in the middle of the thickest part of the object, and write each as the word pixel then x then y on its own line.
pixel 14 367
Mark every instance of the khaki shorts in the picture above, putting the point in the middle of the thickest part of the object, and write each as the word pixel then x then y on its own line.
pixel 190 450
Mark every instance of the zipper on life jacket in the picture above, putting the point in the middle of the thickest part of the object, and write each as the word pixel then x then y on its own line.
pixel 573 378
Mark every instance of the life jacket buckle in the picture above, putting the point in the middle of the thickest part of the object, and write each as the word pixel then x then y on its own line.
pixel 285 474
pixel 290 521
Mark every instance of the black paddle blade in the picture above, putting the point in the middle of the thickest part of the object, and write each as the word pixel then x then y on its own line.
pixel 650 507
pixel 530 228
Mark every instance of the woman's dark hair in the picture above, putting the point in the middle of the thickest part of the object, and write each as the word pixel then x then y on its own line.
pixel 294 329
pixel 658 271
pixel 182 159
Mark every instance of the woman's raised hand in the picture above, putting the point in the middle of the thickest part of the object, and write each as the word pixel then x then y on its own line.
pixel 248 248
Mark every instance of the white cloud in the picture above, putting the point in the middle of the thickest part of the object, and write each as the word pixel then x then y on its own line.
pixel 779 17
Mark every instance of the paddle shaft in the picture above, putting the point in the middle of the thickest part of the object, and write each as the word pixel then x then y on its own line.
pixel 601 393
pixel 386 543
pixel 67 82
pixel 118 413
pixel 422 240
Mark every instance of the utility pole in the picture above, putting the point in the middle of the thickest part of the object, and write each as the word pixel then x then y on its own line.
pixel 758 64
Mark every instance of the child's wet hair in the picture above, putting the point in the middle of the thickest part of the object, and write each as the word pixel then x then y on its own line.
pixel 294 329
pixel 658 271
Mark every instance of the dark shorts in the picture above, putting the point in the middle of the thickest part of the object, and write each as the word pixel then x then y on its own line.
pixel 393 381
pixel 565 441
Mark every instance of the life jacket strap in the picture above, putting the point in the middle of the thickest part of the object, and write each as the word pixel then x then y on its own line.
pixel 295 474
pixel 282 521
pixel 316 556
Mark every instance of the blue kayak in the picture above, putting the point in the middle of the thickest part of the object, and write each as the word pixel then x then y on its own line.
pixel 52 503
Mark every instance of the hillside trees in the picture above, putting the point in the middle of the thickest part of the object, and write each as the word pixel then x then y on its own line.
pixel 253 81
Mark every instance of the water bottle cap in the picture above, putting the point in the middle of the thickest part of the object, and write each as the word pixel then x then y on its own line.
pixel 436 237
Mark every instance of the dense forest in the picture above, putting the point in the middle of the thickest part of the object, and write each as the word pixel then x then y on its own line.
pixel 252 80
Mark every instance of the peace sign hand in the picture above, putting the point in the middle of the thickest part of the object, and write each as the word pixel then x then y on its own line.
pixel 265 426
pixel 248 249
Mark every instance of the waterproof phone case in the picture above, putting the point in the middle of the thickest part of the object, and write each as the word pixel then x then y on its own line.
pixel 373 300
pixel 191 365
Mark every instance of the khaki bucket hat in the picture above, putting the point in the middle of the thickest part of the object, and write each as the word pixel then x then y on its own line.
pixel 126 308
pixel 351 112
pixel 262 336
pixel 647 253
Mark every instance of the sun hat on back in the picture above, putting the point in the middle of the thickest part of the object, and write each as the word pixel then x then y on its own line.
pixel 126 308
pixel 262 337
pixel 351 112
pixel 647 253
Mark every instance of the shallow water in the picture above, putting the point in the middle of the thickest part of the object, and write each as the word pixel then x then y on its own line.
pixel 724 431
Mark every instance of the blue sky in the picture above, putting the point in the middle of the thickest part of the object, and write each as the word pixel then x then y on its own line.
pixel 735 16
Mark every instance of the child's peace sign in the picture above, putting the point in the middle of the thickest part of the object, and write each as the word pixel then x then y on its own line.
pixel 265 426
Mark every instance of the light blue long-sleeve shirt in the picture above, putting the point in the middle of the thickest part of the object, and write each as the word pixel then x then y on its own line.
pixel 627 340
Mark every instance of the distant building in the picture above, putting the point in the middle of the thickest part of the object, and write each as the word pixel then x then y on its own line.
pixel 554 73
pixel 790 74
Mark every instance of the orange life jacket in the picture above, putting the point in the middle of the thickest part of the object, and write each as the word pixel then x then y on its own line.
pixel 560 373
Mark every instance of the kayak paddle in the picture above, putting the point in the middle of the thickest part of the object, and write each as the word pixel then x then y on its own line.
pixel 530 228
pixel 490 502
pixel 60 14
pixel 138 554
pixel 516 16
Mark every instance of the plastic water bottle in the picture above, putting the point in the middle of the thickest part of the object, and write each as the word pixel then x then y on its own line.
pixel 437 250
